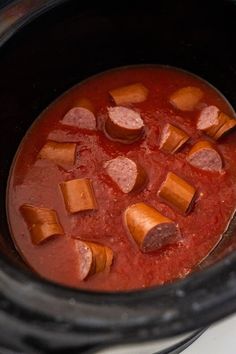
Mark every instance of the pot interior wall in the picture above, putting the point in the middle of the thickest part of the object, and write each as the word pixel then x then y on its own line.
pixel 75 41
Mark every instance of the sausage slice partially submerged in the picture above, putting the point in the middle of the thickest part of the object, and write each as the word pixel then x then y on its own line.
pixel 80 117
pixel 128 175
pixel 186 98
pixel 93 258
pixel 78 195
pixel 124 123
pixel 134 93
pixel 214 123
pixel 172 138
pixel 177 193
pixel 62 154
pixel 205 157
pixel 209 121
pixel 150 229
pixel 85 103
pixel 42 222
pixel 229 123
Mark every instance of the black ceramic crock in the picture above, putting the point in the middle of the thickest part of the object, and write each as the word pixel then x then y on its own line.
pixel 45 48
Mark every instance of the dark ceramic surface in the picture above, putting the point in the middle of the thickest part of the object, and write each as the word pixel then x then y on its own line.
pixel 37 64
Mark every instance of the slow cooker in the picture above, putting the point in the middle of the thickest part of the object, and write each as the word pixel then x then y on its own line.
pixel 45 48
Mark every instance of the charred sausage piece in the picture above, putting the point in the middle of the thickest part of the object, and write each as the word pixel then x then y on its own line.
pixel 80 117
pixel 128 175
pixel 78 195
pixel 205 157
pixel 124 124
pixel 186 98
pixel 150 229
pixel 62 154
pixel 42 223
pixel 134 93
pixel 177 193
pixel 93 258
pixel 172 139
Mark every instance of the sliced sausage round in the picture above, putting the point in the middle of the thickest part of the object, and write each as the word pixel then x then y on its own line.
pixel 207 117
pixel 93 258
pixel 205 157
pixel 124 123
pixel 214 122
pixel 172 138
pixel 85 259
pixel 208 120
pixel 80 117
pixel 128 175
pixel 150 229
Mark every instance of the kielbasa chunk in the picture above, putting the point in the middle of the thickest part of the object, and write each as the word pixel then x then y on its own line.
pixel 85 103
pixel 62 154
pixel 229 123
pixel 80 117
pixel 124 124
pixel 78 195
pixel 134 93
pixel 208 120
pixel 214 122
pixel 172 139
pixel 128 175
pixel 205 157
pixel 150 229
pixel 177 193
pixel 93 258
pixel 186 98
pixel 42 223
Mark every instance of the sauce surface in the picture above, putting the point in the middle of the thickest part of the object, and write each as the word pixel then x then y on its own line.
pixel 36 182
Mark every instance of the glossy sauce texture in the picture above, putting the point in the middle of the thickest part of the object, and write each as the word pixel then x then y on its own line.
pixel 36 182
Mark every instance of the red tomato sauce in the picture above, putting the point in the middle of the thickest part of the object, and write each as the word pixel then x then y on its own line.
pixel 36 182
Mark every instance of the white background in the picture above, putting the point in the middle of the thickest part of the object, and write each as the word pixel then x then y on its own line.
pixel 220 338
